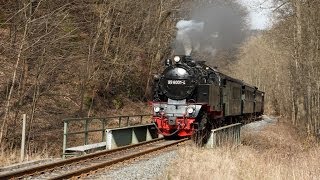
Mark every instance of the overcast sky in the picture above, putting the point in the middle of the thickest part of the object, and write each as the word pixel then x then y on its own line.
pixel 260 14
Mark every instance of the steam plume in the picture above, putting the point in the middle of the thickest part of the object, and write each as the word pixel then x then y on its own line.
pixel 210 29
pixel 186 31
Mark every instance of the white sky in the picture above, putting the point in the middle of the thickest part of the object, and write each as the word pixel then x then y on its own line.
pixel 260 13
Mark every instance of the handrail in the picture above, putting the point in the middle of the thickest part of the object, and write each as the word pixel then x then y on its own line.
pixel 86 122
pixel 109 117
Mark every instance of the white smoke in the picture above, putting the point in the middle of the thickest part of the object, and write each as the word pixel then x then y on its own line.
pixel 211 28
pixel 187 31
pixel 190 37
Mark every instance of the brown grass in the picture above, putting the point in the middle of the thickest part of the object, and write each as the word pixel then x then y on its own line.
pixel 8 157
pixel 277 152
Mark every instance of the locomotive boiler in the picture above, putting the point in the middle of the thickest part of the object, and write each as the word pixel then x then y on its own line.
pixel 190 97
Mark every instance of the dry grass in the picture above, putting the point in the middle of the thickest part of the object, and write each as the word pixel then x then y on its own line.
pixel 8 157
pixel 277 152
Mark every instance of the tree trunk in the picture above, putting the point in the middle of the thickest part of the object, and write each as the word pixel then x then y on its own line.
pixel 14 75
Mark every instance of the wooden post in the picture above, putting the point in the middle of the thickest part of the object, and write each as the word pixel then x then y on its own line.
pixel 103 131
pixel 86 134
pixel 65 134
pixel 120 121
pixel 23 137
pixel 128 121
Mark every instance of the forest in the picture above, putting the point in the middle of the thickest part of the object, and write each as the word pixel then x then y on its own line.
pixel 80 58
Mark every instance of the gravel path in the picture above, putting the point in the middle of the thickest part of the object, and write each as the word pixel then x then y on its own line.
pixel 258 125
pixel 152 168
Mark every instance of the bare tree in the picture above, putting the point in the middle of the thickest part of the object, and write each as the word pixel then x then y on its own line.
pixel 293 61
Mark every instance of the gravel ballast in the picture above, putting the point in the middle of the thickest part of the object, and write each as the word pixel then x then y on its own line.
pixel 144 169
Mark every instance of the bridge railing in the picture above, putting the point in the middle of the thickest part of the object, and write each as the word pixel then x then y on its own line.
pixel 226 135
pixel 89 125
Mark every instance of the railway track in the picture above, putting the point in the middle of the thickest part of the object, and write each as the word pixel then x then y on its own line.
pixel 91 163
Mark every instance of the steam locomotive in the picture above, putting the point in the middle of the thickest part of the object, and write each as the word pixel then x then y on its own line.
pixel 190 97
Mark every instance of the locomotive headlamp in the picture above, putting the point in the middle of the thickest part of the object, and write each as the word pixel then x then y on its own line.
pixel 190 110
pixel 176 59
pixel 156 109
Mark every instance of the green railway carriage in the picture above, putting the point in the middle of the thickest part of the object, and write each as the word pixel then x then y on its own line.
pixel 234 97
pixel 240 99
pixel 237 101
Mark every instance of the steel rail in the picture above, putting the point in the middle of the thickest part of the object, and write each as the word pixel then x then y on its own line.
pixel 93 168
pixel 47 167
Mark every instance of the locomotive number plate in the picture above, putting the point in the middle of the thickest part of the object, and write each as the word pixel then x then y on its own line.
pixel 178 82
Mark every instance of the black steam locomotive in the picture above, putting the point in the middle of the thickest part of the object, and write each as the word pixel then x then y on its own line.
pixel 190 96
